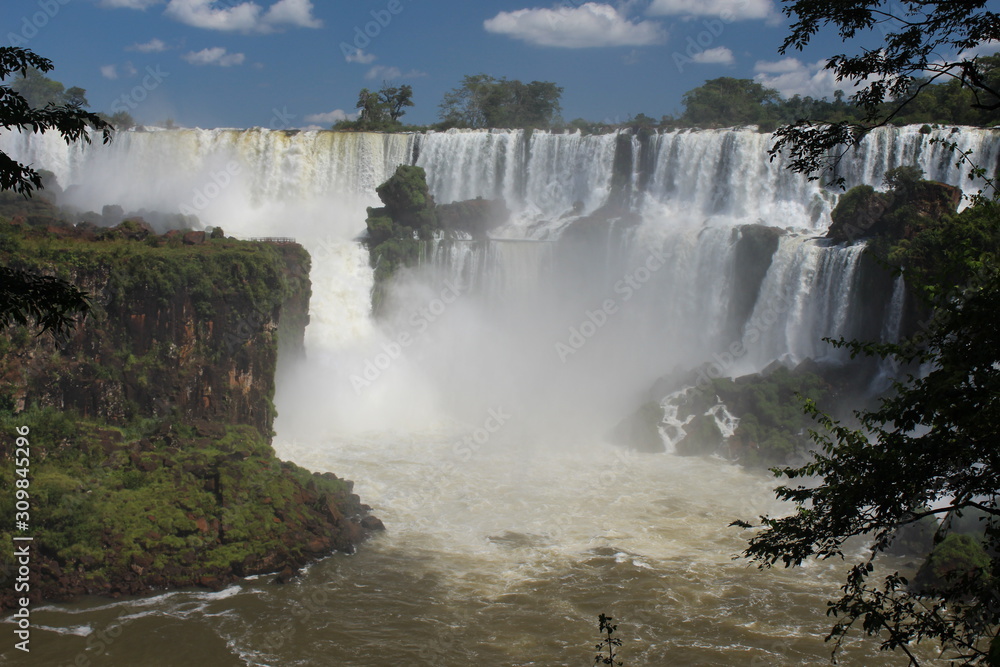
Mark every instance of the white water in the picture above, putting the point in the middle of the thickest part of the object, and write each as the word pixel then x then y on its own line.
pixel 506 539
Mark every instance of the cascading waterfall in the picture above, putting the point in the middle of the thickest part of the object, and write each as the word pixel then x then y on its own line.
pixel 806 296
pixel 893 325
pixel 689 189
pixel 475 415
pixel 206 172
pixel 690 192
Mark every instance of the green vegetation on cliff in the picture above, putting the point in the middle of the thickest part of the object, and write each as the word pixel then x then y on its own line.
pixel 484 101
pixel 397 230
pixel 907 205
pixel 189 321
pixel 165 504
pixel 150 425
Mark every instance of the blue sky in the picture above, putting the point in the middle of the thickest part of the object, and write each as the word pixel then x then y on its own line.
pixel 296 63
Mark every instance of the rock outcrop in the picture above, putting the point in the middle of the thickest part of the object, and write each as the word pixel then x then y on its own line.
pixel 150 424
pixel 864 213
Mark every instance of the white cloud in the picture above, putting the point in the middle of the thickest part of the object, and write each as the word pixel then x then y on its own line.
pixel 778 66
pixel 389 73
pixel 296 13
pixel 729 10
pixel 129 4
pixel 359 56
pixel 152 46
pixel 383 72
pixel 214 56
pixel 243 17
pixel 720 55
pixel 111 71
pixel 590 24
pixel 987 48
pixel 329 117
pixel 202 14
pixel 793 77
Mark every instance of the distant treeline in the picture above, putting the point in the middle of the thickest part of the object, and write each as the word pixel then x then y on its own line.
pixel 482 101
pixel 39 91
pixel 727 102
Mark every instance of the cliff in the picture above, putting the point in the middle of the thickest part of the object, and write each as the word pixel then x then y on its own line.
pixel 149 426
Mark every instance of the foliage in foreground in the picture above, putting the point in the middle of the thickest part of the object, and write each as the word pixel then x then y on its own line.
pixel 929 450
pixel 923 42
pixel 608 643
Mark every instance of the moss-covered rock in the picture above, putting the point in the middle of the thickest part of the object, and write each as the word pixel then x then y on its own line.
pixel 398 233
pixel 912 203
pixel 121 511
pixel 772 425
pixel 957 558
pixel 702 436
pixel 475 217
pixel 856 214
pixel 407 199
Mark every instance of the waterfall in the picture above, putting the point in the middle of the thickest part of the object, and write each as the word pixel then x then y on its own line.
pixel 807 295
pixel 677 201
pixel 209 171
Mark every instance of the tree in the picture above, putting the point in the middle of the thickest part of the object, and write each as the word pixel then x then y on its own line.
pixel 50 302
pixel 45 301
pixel 380 111
pixel 608 642
pixel 70 121
pixel 76 97
pixel 37 89
pixel 931 450
pixel 396 100
pixel 121 120
pixel 924 41
pixel 727 102
pixel 370 106
pixel 483 101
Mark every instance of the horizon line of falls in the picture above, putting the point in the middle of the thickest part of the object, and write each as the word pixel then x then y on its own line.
pixel 475 415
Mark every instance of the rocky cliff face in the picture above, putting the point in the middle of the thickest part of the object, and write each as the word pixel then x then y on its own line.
pixel 150 425
pixel 187 330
